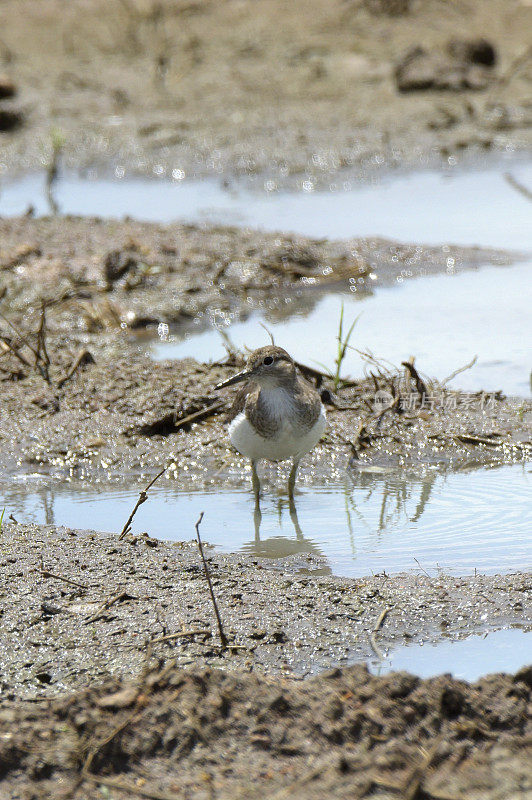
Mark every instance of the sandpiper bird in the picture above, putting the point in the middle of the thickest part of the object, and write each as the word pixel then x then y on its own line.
pixel 276 415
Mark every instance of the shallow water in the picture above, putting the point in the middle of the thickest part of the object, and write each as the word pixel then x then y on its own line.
pixel 373 522
pixel 456 207
pixel 468 659
pixel 444 320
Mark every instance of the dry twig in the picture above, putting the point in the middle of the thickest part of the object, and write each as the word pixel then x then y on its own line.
pixel 47 574
pixel 111 601
pixel 459 370
pixel 130 788
pixel 223 637
pixel 143 496
pixel 199 415
pixel 420 385
pixel 519 187
pixel 83 357
pixel 8 347
pixel 171 636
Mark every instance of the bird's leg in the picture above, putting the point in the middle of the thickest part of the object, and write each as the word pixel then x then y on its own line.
pixel 257 517
pixel 255 482
pixel 292 481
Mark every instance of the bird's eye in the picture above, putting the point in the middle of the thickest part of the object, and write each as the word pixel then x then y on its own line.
pixel 268 360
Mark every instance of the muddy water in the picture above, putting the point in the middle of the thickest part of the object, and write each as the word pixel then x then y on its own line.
pixel 444 320
pixel 467 659
pixel 476 207
pixel 373 522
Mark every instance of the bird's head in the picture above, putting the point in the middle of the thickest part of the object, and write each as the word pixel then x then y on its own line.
pixel 269 366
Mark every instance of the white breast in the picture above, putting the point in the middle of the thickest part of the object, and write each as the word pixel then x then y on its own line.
pixel 286 444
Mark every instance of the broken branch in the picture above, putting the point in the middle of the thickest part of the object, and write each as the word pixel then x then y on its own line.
pixel 223 637
pixel 143 496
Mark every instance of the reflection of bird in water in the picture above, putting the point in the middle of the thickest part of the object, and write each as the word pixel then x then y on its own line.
pixel 282 546
pixel 276 415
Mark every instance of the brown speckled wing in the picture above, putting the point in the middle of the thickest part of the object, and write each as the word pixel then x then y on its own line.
pixel 240 401
pixel 308 403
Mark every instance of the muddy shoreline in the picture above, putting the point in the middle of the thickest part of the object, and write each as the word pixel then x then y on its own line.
pixel 112 680
pixel 202 88
pixel 60 631
pixel 83 607
pixel 87 610
pixel 128 416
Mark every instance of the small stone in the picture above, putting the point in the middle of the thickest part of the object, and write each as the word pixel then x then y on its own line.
pixel 7 87
pixel 121 699
pixel 260 634
pixel 10 119
pixel 43 677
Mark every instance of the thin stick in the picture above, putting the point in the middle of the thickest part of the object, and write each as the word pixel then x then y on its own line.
pixel 82 357
pixel 318 373
pixel 7 346
pixel 519 187
pixel 417 776
pixel 43 371
pixel 420 386
pixel 20 334
pixel 143 496
pixel 268 331
pixel 223 638
pixel 133 717
pixel 171 636
pixel 41 338
pixel 470 439
pixel 46 574
pixel 116 598
pixel 367 356
pixel 199 415
pixel 459 370
pixel 421 568
pixel 382 616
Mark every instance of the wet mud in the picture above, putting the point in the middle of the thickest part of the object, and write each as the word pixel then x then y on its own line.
pixel 86 606
pixel 113 682
pixel 207 88
pixel 106 275
pixel 92 406
pixel 122 416
pixel 82 402
pixel 345 734
pixel 133 621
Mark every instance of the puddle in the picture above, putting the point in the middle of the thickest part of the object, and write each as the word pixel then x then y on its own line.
pixel 474 207
pixel 459 522
pixel 468 659
pixel 443 320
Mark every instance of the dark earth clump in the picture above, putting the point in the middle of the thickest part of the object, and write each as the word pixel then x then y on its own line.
pixel 345 734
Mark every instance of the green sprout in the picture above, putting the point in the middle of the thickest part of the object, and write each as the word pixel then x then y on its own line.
pixel 343 344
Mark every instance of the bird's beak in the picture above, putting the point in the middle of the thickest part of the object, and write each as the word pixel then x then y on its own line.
pixel 240 376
